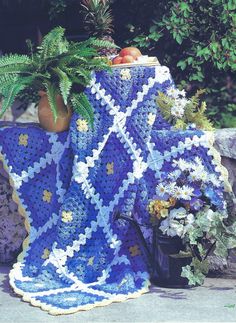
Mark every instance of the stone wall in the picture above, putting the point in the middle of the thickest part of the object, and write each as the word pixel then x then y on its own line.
pixel 12 231
pixel 225 143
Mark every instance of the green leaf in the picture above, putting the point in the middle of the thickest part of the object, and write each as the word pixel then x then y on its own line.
pixel 198 76
pixel 214 46
pixel 184 6
pixel 51 93
pixel 182 65
pixel 205 52
pixel 53 43
pixel 99 43
pixel 14 63
pixel 6 81
pixel 82 106
pixel 65 84
pixel 10 94
pixel 231 5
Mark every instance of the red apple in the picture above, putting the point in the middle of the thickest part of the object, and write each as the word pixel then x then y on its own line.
pixel 116 60
pixel 127 59
pixel 132 51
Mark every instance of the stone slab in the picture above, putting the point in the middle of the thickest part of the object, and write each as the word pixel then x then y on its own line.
pixel 215 301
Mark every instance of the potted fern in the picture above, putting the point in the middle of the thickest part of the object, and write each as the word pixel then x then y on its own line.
pixel 58 71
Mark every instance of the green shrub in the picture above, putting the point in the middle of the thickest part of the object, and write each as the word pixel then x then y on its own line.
pixel 196 39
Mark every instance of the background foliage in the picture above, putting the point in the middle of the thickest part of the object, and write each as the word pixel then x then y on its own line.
pixel 195 38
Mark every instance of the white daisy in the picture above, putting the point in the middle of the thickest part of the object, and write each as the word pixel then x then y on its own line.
pixel 181 102
pixel 187 192
pixel 174 175
pixel 204 176
pixel 161 189
pixel 177 112
pixel 172 92
pixel 177 193
pixel 182 164
pixel 171 187
pixel 175 93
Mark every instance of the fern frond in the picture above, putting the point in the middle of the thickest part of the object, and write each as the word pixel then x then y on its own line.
pixel 82 106
pixel 51 93
pixel 203 107
pixel 195 99
pixel 11 59
pixel 98 43
pixel 180 124
pixel 190 109
pixel 7 80
pixel 14 63
pixel 201 121
pixel 85 74
pixel 165 104
pixel 82 50
pixel 99 63
pixel 10 94
pixel 65 84
pixel 53 43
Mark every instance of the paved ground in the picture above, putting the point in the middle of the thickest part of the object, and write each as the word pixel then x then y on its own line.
pixel 213 302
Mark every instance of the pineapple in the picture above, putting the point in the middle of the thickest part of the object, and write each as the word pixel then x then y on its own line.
pixel 98 22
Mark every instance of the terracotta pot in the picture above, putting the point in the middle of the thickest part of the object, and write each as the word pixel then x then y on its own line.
pixel 45 114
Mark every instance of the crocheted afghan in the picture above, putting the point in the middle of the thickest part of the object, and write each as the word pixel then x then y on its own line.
pixel 70 185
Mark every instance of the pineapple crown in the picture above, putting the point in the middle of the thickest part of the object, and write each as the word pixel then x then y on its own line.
pixel 98 20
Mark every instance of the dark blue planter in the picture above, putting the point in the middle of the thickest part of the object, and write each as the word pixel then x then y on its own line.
pixel 167 266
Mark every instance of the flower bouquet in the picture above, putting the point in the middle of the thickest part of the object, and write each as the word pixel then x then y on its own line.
pixel 188 209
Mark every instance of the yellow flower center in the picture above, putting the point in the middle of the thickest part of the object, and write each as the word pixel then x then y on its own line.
pixel 47 196
pixel 91 261
pixel 82 125
pixel 23 140
pixel 125 74
pixel 110 168
pixel 66 216
pixel 46 253
pixel 134 251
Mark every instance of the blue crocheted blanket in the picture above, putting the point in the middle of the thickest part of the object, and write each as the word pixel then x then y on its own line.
pixel 70 185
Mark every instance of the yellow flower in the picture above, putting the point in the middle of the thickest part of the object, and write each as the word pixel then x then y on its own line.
pixel 160 208
pixel 91 261
pixel 125 74
pixel 151 119
pixel 66 216
pixel 110 168
pixel 134 251
pixel 47 196
pixel 82 125
pixel 164 213
pixel 45 254
pixel 23 140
